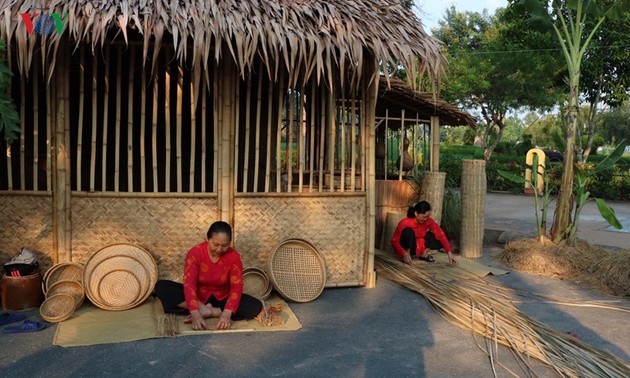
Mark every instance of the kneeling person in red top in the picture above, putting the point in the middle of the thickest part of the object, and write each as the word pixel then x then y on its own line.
pixel 418 233
pixel 213 284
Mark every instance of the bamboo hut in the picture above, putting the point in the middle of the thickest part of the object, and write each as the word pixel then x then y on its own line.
pixel 144 122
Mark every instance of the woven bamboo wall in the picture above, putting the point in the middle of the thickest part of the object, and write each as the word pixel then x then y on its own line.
pixel 166 227
pixel 26 221
pixel 336 226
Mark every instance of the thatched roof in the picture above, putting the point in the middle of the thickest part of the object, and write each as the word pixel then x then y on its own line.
pixel 400 96
pixel 307 37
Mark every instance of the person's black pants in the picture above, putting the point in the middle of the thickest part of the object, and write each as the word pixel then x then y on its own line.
pixel 408 241
pixel 171 294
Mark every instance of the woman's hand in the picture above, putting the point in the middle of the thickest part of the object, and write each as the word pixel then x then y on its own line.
pixel 451 258
pixel 225 320
pixel 197 320
pixel 407 258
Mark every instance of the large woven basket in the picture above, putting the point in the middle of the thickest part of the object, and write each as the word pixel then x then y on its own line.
pixel 73 288
pixel 297 270
pixel 57 308
pixel 256 283
pixel 68 271
pixel 119 277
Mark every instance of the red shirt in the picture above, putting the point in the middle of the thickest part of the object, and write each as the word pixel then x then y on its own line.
pixel 420 229
pixel 203 278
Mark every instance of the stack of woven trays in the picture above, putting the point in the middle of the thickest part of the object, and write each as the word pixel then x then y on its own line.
pixel 119 277
pixel 297 270
pixel 63 286
pixel 256 283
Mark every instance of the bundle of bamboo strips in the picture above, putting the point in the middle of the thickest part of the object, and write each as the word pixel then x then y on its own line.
pixel 472 303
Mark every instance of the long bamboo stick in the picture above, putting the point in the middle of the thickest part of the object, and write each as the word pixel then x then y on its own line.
pixel 322 138
pixel 362 142
pixel 178 127
pixel 269 129
pixel 313 100
pixel 386 141
pixel 132 69
pixel 8 148
pixel 143 132
pixel 301 124
pixel 248 105
pixel 215 126
pixel 105 119
pixel 333 137
pixel 81 115
pixel 289 149
pixel 204 90
pixel 401 147
pixel 35 79
pixel 343 141
pixel 22 133
pixel 167 123
pixel 49 125
pixel 65 99
pixel 193 142
pixel 118 120
pixel 353 144
pixel 154 120
pixel 257 135
pixel 94 100
pixel 281 95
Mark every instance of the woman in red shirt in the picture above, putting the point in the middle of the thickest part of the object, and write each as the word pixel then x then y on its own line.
pixel 418 233
pixel 213 283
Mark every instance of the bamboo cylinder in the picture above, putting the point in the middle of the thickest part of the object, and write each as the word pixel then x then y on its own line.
pixel 433 192
pixel 473 202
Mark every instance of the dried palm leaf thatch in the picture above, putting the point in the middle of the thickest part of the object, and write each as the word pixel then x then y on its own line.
pixel 324 39
pixel 596 268
pixel 485 309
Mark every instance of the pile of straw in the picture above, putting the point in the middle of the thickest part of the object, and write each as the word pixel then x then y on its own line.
pixel 485 308
pixel 597 268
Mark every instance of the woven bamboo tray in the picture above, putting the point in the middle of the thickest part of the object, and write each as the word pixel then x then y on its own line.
pixel 256 283
pixel 68 271
pixel 119 277
pixel 57 308
pixel 297 270
pixel 73 288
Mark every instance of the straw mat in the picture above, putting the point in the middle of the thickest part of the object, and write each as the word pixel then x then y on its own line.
pixel 91 326
pixel 469 265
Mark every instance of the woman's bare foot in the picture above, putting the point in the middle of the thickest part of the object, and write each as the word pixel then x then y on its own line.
pixel 206 311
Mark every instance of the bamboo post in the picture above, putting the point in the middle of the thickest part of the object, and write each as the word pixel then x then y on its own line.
pixel 401 147
pixel 118 119
pixel 143 132
pixel 105 119
pixel 279 133
pixel 353 161
pixel 94 99
pixel 369 104
pixel 178 127
pixel 8 150
pixel 132 69
pixel 22 133
pixel 216 124
pixel 386 141
pixel 313 100
pixel 81 115
pixel 435 143
pixel 35 79
pixel 433 192
pixel 333 136
pixel 61 177
pixel 193 142
pixel 167 126
pixel 362 141
pixel 203 138
pixel 322 141
pixel 269 129
pixel 342 186
pixel 300 153
pixel 257 136
pixel 289 149
pixel 473 202
pixel 248 104
pixel 154 121
pixel 49 143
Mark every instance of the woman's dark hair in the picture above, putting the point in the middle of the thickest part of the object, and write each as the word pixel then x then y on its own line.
pixel 420 208
pixel 220 228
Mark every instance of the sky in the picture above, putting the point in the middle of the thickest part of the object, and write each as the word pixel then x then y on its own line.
pixel 431 11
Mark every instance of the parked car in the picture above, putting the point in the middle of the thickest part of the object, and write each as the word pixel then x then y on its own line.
pixel 553 156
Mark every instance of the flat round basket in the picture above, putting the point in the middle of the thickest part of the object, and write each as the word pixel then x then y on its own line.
pixel 73 288
pixel 297 270
pixel 119 277
pixel 57 308
pixel 68 271
pixel 256 283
